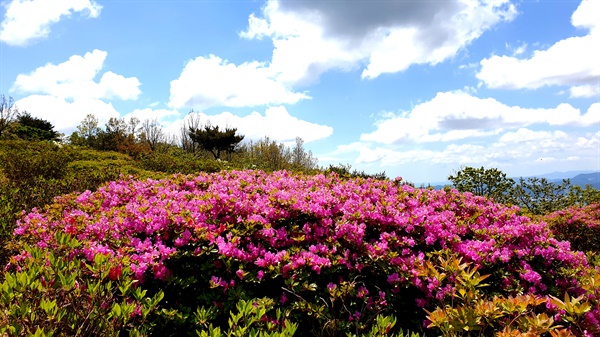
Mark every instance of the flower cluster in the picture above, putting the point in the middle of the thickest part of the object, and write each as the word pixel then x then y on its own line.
pixel 579 225
pixel 300 227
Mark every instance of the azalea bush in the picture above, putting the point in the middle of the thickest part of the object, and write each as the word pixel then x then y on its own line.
pixel 579 225
pixel 33 173
pixel 329 256
pixel 53 292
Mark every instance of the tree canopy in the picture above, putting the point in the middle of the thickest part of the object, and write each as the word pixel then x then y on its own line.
pixel 33 128
pixel 215 140
pixel 536 196
pixel 491 183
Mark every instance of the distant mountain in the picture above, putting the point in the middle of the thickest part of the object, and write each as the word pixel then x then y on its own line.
pixel 561 175
pixel 587 179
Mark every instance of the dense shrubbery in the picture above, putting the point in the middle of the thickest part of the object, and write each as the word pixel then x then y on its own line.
pixel 241 253
pixel 33 173
pixel 175 160
pixel 332 256
pixel 578 225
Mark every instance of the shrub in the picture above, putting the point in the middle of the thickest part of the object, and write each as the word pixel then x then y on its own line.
pixel 56 292
pixel 33 173
pixel 579 225
pixel 22 161
pixel 333 255
pixel 180 162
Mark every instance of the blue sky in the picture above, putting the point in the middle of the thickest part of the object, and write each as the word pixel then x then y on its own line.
pixel 412 88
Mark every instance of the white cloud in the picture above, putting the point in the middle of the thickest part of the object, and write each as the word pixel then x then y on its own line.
pixel 27 20
pixel 523 135
pixel 586 15
pixel 311 37
pixel 151 114
pixel 65 93
pixel 65 116
pixel 403 47
pixel 208 82
pixel 570 62
pixel 589 142
pixel 74 79
pixel 276 123
pixel 456 115
pixel 542 144
pixel 519 50
pixel 521 152
pixel 585 91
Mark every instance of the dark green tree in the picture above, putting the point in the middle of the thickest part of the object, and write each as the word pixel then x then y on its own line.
pixel 344 171
pixel 491 183
pixel 215 140
pixel 540 196
pixel 33 128
pixel 587 195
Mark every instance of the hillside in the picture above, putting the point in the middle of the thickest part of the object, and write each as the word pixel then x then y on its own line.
pixel 587 179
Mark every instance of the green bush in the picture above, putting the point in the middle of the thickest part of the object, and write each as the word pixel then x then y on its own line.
pixel 180 162
pixel 34 173
pixel 23 161
pixel 58 293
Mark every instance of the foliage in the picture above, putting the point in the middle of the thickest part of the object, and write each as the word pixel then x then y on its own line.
pixel 301 159
pixel 578 225
pixel 540 196
pixel 33 173
pixel 249 319
pixel 490 183
pixel 214 140
pixel 469 312
pixel 33 128
pixel 331 254
pixel 535 196
pixel 22 161
pixel 175 160
pixel 87 132
pixel 583 196
pixel 268 155
pixel 57 293
pixel 151 134
pixel 191 122
pixel 8 115
pixel 130 137
pixel 344 172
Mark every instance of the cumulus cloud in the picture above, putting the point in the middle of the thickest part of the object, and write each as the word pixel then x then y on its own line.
pixel 65 93
pixel 276 123
pixel 457 115
pixel 520 147
pixel 152 114
pixel 524 135
pixel 28 20
pixel 74 79
pixel 585 91
pixel 311 37
pixel 569 62
pixel 212 81
pixel 65 115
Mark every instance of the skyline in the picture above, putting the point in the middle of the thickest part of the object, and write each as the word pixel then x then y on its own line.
pixel 415 89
